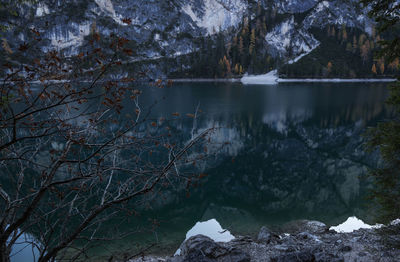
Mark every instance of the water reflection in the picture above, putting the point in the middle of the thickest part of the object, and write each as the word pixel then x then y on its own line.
pixel 295 152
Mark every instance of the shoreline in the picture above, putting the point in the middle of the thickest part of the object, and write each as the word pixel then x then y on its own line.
pixel 250 81
pixel 271 78
pixel 206 80
pixel 333 80
pixel 288 80
pixel 310 240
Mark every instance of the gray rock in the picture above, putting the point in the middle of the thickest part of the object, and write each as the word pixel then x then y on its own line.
pixel 361 245
pixel 345 248
pixel 265 235
pixel 308 236
pixel 301 256
pixel 316 227
pixel 200 248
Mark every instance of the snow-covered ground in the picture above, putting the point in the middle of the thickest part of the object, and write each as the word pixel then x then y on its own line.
pixel 341 80
pixel 272 78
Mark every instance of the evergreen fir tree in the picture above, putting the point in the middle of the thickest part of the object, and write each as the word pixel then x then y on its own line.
pixel 386 135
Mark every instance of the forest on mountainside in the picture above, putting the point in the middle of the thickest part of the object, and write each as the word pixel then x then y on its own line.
pixel 344 52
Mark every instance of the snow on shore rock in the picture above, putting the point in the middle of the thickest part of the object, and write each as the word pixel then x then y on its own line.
pixel 211 229
pixel 270 78
pixel 353 224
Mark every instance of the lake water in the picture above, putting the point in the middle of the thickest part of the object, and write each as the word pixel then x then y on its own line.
pixel 295 152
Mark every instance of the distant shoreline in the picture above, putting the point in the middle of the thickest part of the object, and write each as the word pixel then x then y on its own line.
pixel 189 80
pixel 288 80
pixel 333 80
pixel 259 82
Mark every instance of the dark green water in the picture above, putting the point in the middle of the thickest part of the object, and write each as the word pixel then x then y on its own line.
pixel 295 152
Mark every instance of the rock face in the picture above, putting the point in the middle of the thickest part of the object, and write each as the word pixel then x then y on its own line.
pixel 171 29
pixel 314 243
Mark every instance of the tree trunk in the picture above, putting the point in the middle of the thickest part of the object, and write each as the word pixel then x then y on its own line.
pixel 4 253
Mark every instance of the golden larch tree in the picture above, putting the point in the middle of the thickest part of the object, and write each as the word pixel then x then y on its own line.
pixel 373 70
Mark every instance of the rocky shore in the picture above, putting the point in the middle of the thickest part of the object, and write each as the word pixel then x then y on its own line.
pixel 306 241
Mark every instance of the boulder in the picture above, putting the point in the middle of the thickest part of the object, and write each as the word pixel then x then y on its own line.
pixel 315 227
pixel 200 248
pixel 266 236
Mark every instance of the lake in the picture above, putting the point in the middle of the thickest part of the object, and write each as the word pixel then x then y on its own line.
pixel 295 152
pixel 290 151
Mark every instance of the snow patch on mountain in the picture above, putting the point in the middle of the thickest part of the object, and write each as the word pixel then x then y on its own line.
pixel 107 7
pixel 287 37
pixel 269 78
pixel 216 15
pixel 294 6
pixel 306 50
pixel 321 6
pixel 338 13
pixel 42 10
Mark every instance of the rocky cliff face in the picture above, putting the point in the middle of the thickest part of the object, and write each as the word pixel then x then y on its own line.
pixel 171 29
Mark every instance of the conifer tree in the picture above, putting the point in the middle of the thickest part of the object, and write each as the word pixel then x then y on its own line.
pixel 355 44
pixel 252 41
pixel 344 33
pixel 394 65
pixel 373 70
pixel 381 65
pixel 364 52
pixel 241 45
pixel 329 67
pixel 385 137
pixel 361 40
pixel 237 70
pixel 349 47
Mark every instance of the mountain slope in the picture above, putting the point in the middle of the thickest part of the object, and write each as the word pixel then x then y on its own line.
pixel 169 38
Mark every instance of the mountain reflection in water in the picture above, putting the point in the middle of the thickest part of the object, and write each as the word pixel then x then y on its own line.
pixel 295 152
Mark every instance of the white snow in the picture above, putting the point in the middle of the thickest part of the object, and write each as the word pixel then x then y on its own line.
pixel 272 78
pixel 217 14
pixel 334 80
pixel 211 229
pixel 279 37
pixel 395 222
pixel 287 36
pixel 306 50
pixel 267 79
pixel 42 10
pixel 352 224
pixel 107 7
pixel 321 6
